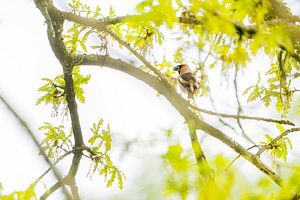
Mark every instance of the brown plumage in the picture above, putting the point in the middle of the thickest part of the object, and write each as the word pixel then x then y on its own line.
pixel 187 81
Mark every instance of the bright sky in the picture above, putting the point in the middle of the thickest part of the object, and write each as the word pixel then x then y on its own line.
pixel 129 106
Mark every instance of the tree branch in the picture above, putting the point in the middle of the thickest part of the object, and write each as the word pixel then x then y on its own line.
pixel 74 189
pixel 287 122
pixel 55 187
pixel 158 83
pixel 37 144
pixel 72 105
pixel 237 157
pixel 100 27
pixel 240 110
pixel 53 165
pixel 179 103
pixel 280 10
pixel 275 140
pixel 61 53
pixel 198 152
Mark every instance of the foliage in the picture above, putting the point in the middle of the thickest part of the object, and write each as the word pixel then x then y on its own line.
pixel 278 149
pixel 183 180
pixel 55 139
pixel 101 161
pixel 240 27
pixel 28 194
pixel 54 90
pixel 54 93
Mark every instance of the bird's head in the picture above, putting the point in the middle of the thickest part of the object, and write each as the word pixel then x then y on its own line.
pixel 182 68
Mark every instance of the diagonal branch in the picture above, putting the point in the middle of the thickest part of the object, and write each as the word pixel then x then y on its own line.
pixel 237 157
pixel 158 83
pixel 179 103
pixel 280 10
pixel 224 115
pixel 198 152
pixel 53 188
pixel 55 163
pixel 37 144
pixel 100 27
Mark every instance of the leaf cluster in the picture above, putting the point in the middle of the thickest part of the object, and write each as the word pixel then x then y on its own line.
pixel 101 162
pixel 55 139
pixel 54 89
pixel 278 149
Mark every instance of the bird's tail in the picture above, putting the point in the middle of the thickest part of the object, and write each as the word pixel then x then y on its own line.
pixel 190 95
pixel 191 98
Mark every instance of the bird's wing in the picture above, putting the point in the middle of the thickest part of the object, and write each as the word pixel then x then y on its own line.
pixel 188 80
pixel 187 77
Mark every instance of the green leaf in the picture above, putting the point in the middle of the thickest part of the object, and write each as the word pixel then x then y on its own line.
pixel 112 12
pixel 280 127
pixel 175 158
pixel 28 194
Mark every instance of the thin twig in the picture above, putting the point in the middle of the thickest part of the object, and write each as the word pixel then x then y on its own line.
pixel 237 157
pixel 215 109
pixel 276 139
pixel 36 142
pixel 215 42
pixel 240 110
pixel 287 122
pixel 55 163
pixel 218 37
pixel 133 51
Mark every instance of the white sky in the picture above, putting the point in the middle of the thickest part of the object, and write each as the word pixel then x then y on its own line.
pixel 129 106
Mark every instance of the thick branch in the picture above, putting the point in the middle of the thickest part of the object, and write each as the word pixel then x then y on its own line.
pixel 95 24
pixel 198 152
pixel 280 10
pixel 98 25
pixel 158 83
pixel 60 51
pixel 65 59
pixel 72 105
pixel 74 189
pixel 179 103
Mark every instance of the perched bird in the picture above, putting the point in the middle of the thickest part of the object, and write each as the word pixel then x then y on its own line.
pixel 187 81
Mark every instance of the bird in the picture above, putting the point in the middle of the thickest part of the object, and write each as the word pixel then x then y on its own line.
pixel 187 81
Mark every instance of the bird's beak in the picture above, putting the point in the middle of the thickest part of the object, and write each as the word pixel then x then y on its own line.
pixel 176 68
